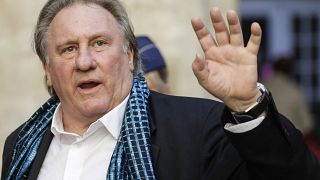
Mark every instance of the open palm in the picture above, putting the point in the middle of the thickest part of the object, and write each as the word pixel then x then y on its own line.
pixel 228 69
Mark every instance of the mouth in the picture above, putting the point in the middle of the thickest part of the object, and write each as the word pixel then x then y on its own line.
pixel 88 85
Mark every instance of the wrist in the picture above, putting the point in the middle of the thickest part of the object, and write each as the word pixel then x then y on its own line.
pixel 244 105
pixel 256 109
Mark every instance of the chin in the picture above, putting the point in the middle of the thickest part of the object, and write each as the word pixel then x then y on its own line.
pixel 96 107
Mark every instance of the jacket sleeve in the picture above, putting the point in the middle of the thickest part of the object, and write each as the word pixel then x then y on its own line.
pixel 274 150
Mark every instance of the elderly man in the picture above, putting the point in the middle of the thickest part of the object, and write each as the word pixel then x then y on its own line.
pixel 102 122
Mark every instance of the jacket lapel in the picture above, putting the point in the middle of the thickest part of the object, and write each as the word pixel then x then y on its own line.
pixel 155 149
pixel 37 163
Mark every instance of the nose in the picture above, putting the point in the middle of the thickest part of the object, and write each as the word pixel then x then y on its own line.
pixel 85 61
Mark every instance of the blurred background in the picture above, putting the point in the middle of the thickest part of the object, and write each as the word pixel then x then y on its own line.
pixel 291 28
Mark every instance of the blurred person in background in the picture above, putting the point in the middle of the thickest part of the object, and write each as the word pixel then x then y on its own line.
pixel 153 65
pixel 290 100
pixel 289 97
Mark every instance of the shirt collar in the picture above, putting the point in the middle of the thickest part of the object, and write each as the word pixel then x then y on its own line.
pixel 112 121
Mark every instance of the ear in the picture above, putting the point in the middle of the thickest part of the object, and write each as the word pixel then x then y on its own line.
pixel 130 55
pixel 48 75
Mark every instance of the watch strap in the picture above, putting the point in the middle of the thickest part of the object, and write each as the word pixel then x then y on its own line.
pixel 253 112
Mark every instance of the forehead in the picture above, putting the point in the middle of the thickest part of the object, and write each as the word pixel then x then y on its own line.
pixel 81 19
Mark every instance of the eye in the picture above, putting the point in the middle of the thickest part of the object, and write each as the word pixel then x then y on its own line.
pixel 69 49
pixel 99 43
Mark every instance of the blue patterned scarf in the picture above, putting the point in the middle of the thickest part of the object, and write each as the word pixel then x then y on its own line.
pixel 131 158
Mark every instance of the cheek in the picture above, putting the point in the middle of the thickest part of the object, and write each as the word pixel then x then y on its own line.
pixel 114 63
pixel 61 74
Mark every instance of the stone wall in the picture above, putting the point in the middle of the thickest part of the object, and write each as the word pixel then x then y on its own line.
pixel 21 76
pixel 167 22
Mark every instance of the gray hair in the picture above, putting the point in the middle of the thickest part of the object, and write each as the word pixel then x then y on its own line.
pixel 53 7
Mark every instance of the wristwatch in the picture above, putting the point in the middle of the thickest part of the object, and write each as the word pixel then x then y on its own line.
pixel 256 109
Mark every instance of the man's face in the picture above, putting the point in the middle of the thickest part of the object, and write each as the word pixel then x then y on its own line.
pixel 88 66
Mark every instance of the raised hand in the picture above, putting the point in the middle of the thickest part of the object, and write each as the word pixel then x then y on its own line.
pixel 228 69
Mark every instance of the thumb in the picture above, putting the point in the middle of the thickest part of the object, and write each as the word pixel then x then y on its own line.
pixel 200 69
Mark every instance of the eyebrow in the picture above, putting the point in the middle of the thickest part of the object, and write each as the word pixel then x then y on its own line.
pixel 60 45
pixel 102 34
pixel 74 41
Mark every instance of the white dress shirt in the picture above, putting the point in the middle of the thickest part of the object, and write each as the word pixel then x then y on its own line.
pixel 74 157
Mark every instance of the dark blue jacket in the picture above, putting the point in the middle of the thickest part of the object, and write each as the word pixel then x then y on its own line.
pixel 189 142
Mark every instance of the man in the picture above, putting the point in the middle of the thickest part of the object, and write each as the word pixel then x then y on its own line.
pixel 102 122
pixel 153 64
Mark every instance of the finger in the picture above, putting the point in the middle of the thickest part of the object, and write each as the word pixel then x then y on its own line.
pixel 205 39
pixel 255 38
pixel 220 28
pixel 236 37
pixel 200 69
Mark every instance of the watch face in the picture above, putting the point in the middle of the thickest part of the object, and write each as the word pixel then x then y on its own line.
pixel 261 87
